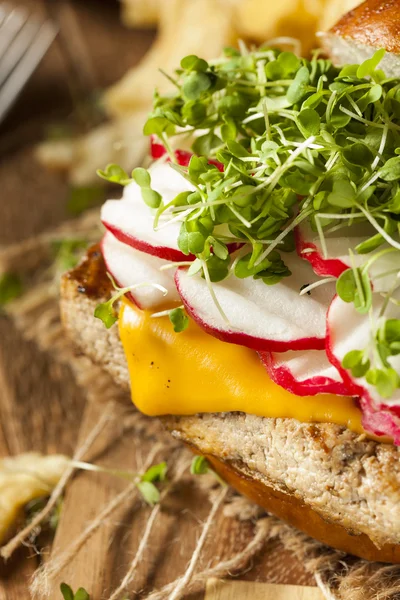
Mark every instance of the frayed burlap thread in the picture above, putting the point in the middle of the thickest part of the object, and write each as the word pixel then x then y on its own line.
pixel 225 568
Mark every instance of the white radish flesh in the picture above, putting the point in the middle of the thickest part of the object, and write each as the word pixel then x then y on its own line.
pixel 304 373
pixel 128 267
pixel 349 330
pixel 132 221
pixel 262 317
pixel 309 247
pixel 337 260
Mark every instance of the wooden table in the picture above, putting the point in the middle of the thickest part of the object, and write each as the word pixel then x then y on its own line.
pixel 41 406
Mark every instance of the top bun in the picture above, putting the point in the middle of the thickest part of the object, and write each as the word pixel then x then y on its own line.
pixel 358 34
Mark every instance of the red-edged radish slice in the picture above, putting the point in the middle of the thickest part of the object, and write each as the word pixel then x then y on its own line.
pixel 260 316
pixel 131 221
pixel 308 246
pixel 304 373
pixel 128 266
pixel 380 422
pixel 157 150
pixel 349 330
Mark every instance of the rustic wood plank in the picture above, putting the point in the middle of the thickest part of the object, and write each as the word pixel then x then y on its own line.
pixel 102 562
pixel 228 590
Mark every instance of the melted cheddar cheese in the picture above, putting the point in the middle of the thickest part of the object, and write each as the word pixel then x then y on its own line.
pixel 192 372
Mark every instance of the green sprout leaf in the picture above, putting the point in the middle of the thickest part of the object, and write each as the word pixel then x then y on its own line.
pixel 298 87
pixel 81 594
pixel 357 362
pixel 146 487
pixel 156 473
pixel 105 312
pixel 199 466
pixel 149 492
pixel 192 237
pixel 194 63
pixel 368 67
pixel 179 319
pixel 114 174
pixel 309 122
pixel 68 594
pixel 66 591
pixel 343 194
pixel 346 286
pixel 158 126
pixel 142 178
pixel 195 84
pixel 391 169
pixel 205 144
pixel 386 381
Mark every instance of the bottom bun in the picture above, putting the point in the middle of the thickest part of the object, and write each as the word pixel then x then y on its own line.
pixel 320 478
pixel 290 509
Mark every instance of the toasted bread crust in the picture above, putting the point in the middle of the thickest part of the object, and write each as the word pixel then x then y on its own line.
pixel 295 512
pixel 373 23
pixel 336 486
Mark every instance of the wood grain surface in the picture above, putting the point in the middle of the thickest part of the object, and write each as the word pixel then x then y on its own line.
pixel 41 407
pixel 228 590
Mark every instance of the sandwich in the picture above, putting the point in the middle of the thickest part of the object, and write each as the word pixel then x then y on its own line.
pixel 247 289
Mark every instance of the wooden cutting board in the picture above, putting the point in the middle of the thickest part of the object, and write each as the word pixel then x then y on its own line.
pixel 41 407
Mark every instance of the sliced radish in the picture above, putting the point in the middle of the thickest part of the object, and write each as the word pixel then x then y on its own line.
pixel 157 150
pixel 131 221
pixel 380 422
pixel 129 267
pixel 260 316
pixel 304 373
pixel 308 246
pixel 349 330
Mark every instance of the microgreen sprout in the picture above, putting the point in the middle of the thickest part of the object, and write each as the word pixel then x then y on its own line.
pixel 201 466
pixel 116 174
pixel 278 140
pixel 68 594
pixel 177 316
pixel 179 319
pixel 144 482
pixel 105 310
